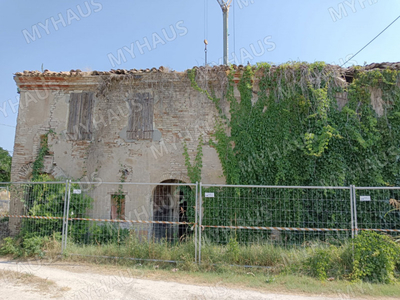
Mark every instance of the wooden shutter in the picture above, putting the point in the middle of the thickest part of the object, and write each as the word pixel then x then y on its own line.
pixel 114 207
pixel 148 117
pixel 80 116
pixel 73 113
pixel 140 123
pixel 85 125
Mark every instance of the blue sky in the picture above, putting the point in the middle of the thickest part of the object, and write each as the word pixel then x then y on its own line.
pixel 103 34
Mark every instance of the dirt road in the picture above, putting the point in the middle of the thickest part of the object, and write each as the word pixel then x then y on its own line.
pixel 24 280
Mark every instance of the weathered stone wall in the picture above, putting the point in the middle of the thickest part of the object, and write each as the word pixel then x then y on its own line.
pixel 181 114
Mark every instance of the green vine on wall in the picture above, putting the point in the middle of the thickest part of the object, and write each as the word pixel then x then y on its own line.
pixel 38 164
pixel 194 170
pixel 296 134
pixel 211 96
pixel 192 78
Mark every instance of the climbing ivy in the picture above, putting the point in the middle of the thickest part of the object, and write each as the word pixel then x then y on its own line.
pixel 194 170
pixel 38 164
pixel 295 133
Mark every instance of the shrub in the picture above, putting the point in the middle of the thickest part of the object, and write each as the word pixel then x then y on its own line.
pixel 30 246
pixel 33 246
pixel 102 234
pixel 325 262
pixel 375 257
pixel 10 246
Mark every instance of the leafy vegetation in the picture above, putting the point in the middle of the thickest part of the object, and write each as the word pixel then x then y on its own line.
pixel 38 164
pixel 376 257
pixel 371 258
pixel 194 171
pixel 35 246
pixel 5 166
pixel 294 133
pixel 48 199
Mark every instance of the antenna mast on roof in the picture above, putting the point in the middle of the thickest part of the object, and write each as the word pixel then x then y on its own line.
pixel 225 4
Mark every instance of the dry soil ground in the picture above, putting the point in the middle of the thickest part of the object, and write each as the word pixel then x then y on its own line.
pixel 31 280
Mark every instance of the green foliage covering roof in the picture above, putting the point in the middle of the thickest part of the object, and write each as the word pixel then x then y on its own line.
pixel 296 133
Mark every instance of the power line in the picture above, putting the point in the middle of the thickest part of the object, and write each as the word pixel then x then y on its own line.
pixel 234 28
pixel 371 41
pixel 205 19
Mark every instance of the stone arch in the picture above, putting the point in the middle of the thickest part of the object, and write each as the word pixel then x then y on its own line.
pixel 179 176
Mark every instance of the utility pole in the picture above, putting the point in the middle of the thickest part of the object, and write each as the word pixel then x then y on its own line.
pixel 225 4
pixel 205 51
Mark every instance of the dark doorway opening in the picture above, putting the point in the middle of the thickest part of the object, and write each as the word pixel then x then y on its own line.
pixel 170 205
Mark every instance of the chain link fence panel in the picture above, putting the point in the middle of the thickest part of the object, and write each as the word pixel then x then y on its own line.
pixel 36 209
pixel 146 221
pixel 170 220
pixel 378 209
pixel 284 216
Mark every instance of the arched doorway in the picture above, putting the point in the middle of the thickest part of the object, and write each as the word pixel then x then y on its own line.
pixel 170 205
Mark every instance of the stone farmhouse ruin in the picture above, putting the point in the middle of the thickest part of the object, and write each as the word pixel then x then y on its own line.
pixel 104 124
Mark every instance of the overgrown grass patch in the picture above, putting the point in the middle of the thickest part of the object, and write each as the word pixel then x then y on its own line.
pixel 355 260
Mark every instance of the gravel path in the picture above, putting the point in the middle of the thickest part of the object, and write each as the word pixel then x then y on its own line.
pixel 84 284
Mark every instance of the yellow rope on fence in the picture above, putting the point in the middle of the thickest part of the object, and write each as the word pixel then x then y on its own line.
pixel 202 226
pixel 97 220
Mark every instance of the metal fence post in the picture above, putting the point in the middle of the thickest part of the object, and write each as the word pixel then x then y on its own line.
pixel 65 219
pixel 355 210
pixel 351 212
pixel 200 219
pixel 67 214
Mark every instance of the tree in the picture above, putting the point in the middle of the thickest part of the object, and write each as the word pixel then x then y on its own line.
pixel 5 166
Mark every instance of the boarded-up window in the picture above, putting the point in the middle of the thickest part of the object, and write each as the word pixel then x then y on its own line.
pixel 140 124
pixel 80 116
pixel 117 207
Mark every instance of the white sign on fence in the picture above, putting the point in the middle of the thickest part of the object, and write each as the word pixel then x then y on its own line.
pixel 209 195
pixel 365 198
pixel 76 191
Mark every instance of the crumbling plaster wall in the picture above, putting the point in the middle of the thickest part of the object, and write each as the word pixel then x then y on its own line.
pixel 180 114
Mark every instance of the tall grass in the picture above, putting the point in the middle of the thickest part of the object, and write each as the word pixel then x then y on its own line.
pixel 319 259
pixel 132 247
pixel 213 255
